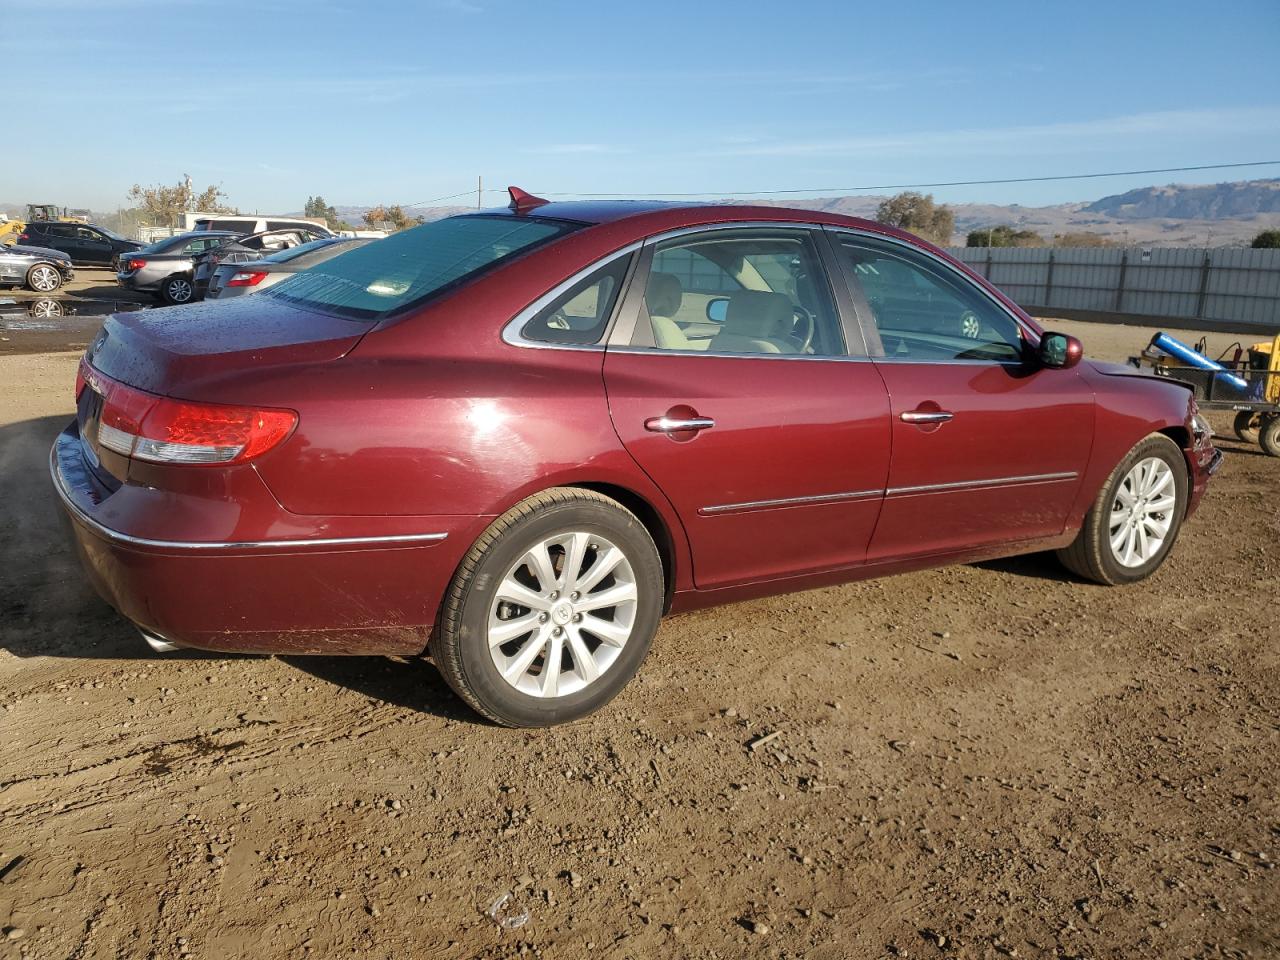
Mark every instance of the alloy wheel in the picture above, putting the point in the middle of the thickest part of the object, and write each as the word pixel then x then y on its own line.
pixel 970 325
pixel 1142 512
pixel 45 279
pixel 179 290
pixel 562 614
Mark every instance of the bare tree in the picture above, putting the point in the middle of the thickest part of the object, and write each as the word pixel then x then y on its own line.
pixel 165 205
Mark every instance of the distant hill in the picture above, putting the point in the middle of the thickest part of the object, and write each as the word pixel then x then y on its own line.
pixel 1193 201
pixel 1175 215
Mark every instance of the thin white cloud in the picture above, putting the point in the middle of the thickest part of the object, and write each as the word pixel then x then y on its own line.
pixel 573 148
pixel 1030 138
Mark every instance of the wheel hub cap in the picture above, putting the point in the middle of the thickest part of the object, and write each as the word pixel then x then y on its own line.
pixel 562 614
pixel 1142 512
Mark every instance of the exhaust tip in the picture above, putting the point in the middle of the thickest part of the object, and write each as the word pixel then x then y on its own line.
pixel 156 642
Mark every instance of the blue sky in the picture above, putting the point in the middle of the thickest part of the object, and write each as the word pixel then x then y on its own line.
pixel 368 101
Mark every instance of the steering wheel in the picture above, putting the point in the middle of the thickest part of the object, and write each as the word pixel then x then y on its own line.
pixel 802 327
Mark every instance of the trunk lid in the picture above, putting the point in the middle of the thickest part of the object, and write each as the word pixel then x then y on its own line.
pixel 171 350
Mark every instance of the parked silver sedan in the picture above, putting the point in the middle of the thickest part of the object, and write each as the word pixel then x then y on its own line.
pixel 36 268
pixel 238 279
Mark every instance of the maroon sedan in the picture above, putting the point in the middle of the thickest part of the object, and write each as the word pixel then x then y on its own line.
pixel 523 435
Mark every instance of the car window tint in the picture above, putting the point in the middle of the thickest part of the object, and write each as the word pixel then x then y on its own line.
pixel 923 310
pixel 581 313
pixel 754 291
pixel 413 265
pixel 61 230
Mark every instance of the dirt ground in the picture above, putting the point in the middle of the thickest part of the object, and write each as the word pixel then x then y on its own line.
pixel 984 761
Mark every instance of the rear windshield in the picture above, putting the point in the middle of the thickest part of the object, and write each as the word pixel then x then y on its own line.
pixel 284 256
pixel 408 267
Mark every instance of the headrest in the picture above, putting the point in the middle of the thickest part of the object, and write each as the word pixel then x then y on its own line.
pixel 755 313
pixel 664 294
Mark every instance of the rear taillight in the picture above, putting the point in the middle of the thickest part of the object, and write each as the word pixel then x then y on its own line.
pixel 161 430
pixel 24 236
pixel 246 278
pixel 80 380
pixel 135 264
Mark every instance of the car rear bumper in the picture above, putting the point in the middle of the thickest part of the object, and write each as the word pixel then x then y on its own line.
pixel 307 585
pixel 138 281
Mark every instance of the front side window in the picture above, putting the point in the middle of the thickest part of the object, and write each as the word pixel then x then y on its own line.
pixel 582 312
pixel 752 291
pixel 410 266
pixel 922 310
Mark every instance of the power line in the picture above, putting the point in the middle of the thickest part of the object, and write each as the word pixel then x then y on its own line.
pixel 882 186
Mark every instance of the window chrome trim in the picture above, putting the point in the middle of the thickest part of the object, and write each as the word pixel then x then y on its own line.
pixel 512 331
pixel 663 352
pixel 822 498
pixel 116 536
pixel 982 484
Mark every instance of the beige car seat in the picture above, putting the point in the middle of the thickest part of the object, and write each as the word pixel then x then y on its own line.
pixel 756 322
pixel 662 297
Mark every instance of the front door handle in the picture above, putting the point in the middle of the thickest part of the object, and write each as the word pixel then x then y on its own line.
pixel 667 424
pixel 926 416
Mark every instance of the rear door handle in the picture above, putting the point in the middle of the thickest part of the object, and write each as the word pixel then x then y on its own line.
pixel 926 416
pixel 666 424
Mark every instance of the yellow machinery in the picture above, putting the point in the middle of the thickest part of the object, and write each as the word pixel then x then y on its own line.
pixel 11 229
pixel 1266 357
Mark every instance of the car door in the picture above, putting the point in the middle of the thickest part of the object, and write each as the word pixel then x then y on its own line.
pixel 13 267
pixel 988 446
pixel 770 440
pixel 92 246
pixel 59 236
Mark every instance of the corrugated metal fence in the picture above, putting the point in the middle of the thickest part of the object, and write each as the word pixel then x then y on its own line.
pixel 1225 284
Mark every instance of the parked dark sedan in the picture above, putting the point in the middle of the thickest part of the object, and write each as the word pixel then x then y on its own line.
pixel 521 436
pixel 253 276
pixel 36 268
pixel 84 243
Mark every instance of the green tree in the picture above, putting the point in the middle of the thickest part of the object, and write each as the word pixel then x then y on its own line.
pixel 164 206
pixel 918 214
pixel 1266 240
pixel 317 208
pixel 1003 236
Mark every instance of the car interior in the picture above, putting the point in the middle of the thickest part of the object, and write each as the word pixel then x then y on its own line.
pixel 739 295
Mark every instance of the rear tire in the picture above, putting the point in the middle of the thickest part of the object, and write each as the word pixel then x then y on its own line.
pixel 177 289
pixel 571 535
pixel 1246 426
pixel 1134 514
pixel 43 278
pixel 1269 435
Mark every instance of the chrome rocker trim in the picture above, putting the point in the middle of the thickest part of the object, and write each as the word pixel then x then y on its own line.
pixel 981 484
pixel 789 502
pixel 116 536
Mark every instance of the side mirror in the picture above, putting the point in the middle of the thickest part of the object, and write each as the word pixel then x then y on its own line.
pixel 717 309
pixel 1060 350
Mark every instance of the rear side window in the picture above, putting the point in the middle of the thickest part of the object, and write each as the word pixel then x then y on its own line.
pixel 582 312
pixel 410 266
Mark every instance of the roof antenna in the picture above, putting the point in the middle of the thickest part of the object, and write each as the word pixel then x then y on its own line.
pixel 523 201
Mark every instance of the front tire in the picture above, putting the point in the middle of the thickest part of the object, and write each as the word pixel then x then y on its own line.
pixel 177 289
pixel 552 611
pixel 1135 518
pixel 43 278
